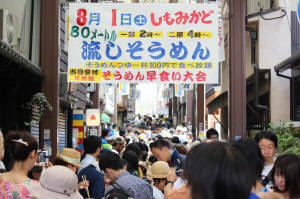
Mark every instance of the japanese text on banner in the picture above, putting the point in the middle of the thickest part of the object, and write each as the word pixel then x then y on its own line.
pixel 140 43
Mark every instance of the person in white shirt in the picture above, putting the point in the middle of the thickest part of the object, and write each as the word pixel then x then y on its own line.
pixel 267 142
pixel 91 147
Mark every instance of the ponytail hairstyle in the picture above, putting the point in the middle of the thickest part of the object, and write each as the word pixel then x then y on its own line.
pixel 18 146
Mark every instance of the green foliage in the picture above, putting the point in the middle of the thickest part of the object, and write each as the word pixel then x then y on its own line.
pixel 37 105
pixel 288 137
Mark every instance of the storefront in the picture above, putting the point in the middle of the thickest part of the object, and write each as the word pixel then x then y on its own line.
pixel 20 74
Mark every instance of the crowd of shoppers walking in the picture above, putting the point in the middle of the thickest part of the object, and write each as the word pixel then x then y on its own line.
pixel 150 160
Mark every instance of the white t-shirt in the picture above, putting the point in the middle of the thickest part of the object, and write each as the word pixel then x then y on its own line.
pixel 2 165
pixel 267 169
pixel 178 183
pixel 157 194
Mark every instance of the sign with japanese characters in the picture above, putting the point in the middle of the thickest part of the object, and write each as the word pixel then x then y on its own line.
pixel 143 43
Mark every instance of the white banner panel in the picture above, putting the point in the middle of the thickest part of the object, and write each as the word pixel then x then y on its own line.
pixel 143 43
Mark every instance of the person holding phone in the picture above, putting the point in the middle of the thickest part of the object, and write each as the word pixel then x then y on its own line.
pixel 21 154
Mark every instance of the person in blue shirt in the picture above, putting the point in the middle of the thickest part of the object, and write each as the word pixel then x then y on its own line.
pixel 163 151
pixel 91 171
pixel 104 134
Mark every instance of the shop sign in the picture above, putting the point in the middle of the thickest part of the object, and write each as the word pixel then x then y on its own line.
pixel 139 43
pixel 92 117
pixel 105 118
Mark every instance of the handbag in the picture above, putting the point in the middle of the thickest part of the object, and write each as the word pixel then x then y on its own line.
pixel 2 189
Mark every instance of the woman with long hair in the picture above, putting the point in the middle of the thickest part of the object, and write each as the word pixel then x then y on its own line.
pixel 286 176
pixel 21 151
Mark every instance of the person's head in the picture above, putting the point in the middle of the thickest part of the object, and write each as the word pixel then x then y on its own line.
pixel 143 146
pixel 55 182
pixel 122 132
pixel 267 142
pixel 212 134
pixel 35 173
pixel 1 145
pixel 92 145
pixel 286 175
pixel 104 132
pixel 132 161
pixel 152 159
pixel 20 148
pixel 144 156
pixel 224 172
pixel 251 151
pixel 118 144
pixel 134 147
pixel 115 126
pixel 181 148
pixel 111 136
pixel 111 164
pixel 128 127
pixel 161 149
pixel 69 158
pixel 159 172
pixel 175 140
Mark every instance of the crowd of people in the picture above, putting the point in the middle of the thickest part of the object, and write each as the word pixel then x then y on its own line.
pixel 150 160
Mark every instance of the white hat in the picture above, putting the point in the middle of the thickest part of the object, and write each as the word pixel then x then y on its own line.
pixel 184 130
pixel 178 128
pixel 57 182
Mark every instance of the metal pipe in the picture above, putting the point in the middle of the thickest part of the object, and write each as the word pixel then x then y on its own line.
pixel 253 37
pixel 194 112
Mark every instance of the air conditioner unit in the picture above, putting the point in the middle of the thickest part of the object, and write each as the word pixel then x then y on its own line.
pixel 8 28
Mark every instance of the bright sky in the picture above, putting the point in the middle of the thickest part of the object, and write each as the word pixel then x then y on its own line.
pixel 147 101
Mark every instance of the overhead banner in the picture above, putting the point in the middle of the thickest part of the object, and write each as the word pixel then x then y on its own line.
pixel 179 92
pixel 124 89
pixel 139 43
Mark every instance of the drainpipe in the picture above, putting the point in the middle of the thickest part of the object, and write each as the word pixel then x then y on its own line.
pixel 253 37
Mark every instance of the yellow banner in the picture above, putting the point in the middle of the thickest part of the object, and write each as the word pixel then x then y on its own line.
pixel 148 65
pixel 190 34
pixel 88 75
pixel 140 34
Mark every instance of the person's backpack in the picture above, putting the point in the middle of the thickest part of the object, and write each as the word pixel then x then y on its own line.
pixel 116 193
pixel 267 179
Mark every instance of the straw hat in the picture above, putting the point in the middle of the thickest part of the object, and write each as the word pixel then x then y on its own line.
pixel 56 182
pixel 70 156
pixel 159 169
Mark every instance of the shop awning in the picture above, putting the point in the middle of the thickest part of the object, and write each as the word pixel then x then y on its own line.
pixel 105 118
pixel 14 56
pixel 292 62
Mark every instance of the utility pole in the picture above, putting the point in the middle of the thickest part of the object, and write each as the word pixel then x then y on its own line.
pixel 237 70
pixel 198 101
